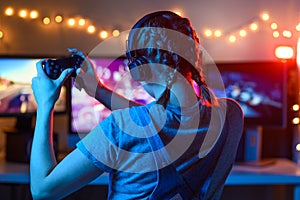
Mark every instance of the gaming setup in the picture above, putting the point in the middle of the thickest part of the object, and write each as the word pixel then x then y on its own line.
pixel 17 103
pixel 259 87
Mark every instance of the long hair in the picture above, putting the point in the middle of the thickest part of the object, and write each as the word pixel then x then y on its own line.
pixel 163 47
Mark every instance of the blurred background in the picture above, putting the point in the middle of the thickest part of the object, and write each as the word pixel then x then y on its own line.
pixel 229 30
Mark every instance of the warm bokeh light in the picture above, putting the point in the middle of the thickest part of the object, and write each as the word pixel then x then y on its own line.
pixel 265 16
pixel 9 11
pixel 295 107
pixel 207 33
pixel 178 12
pixel 231 36
pixel 81 22
pixel 71 22
pixel 103 34
pixel 34 14
pixel 287 34
pixel 253 26
pixel 46 20
pixel 243 33
pixel 298 147
pixel 91 29
pixel 276 34
pixel 296 120
pixel 58 19
pixel 116 33
pixel 274 26
pixel 218 33
pixel 284 52
pixel 23 13
pixel 232 39
pixel 298 27
pixel 1 34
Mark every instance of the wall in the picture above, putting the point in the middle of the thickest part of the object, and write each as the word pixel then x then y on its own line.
pixel 25 37
pixel 31 37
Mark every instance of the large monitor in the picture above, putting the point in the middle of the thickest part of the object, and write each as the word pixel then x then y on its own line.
pixel 16 97
pixel 260 89
pixel 86 112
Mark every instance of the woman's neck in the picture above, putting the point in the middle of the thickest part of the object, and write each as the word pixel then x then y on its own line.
pixel 183 94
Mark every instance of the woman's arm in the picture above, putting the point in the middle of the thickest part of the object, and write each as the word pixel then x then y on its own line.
pixel 89 81
pixel 48 179
pixel 108 98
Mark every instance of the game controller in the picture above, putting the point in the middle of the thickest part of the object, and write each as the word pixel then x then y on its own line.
pixel 54 67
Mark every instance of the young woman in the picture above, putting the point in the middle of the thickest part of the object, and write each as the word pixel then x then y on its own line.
pixel 181 146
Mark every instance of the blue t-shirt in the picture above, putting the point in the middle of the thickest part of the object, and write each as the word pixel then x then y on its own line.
pixel 192 140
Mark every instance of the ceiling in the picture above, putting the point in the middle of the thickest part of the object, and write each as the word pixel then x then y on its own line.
pixel 31 37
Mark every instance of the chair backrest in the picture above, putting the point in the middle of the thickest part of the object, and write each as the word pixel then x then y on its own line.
pixel 208 175
pixel 217 163
pixel 234 128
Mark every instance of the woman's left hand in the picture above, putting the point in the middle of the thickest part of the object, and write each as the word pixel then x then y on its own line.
pixel 46 91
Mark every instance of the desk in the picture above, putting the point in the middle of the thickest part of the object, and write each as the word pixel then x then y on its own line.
pixel 11 172
pixel 283 172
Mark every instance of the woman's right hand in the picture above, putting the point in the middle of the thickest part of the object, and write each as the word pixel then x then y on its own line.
pixel 87 77
pixel 46 90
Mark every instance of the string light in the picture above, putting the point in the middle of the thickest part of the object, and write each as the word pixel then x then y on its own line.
pixel 276 34
pixel 9 11
pixel 81 22
pixel 1 34
pixel 274 26
pixel 265 16
pixel 178 12
pixel 287 34
pixel 218 33
pixel 296 120
pixel 296 107
pixel 298 147
pixel 58 19
pixel 46 20
pixel 23 13
pixel 34 14
pixel 116 33
pixel 71 22
pixel 253 26
pixel 243 33
pixel 298 27
pixel 232 39
pixel 103 34
pixel 208 33
pixel 232 36
pixel 91 29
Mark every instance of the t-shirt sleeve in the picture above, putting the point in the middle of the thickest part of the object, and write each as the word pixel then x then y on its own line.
pixel 100 145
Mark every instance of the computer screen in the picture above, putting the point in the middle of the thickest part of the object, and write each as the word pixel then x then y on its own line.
pixel 86 112
pixel 16 97
pixel 259 88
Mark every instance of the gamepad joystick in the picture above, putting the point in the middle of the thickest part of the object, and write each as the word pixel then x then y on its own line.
pixel 54 67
